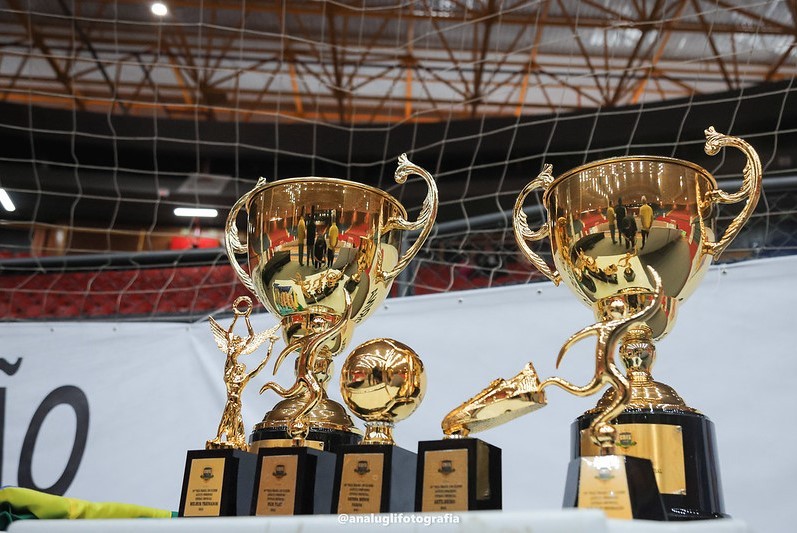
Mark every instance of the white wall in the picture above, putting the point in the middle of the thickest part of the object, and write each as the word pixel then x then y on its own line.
pixel 154 390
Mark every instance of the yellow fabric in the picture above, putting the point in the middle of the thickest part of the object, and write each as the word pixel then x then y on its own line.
pixel 47 506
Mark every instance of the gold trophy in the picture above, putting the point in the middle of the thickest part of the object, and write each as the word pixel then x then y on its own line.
pixel 322 254
pixel 607 221
pixel 218 480
pixel 382 382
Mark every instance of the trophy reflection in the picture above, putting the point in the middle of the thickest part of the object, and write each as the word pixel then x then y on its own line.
pixel 610 221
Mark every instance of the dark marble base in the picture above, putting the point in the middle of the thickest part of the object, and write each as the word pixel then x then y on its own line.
pixel 476 487
pixel 703 498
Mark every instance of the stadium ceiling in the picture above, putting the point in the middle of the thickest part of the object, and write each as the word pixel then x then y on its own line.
pixel 356 62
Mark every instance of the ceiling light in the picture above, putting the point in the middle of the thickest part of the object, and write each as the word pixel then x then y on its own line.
pixel 5 201
pixel 159 9
pixel 195 212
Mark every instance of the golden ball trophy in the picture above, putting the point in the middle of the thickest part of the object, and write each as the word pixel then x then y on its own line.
pixel 322 254
pixel 632 237
pixel 382 382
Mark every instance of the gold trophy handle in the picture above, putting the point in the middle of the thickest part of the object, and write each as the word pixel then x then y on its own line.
pixel 750 191
pixel 524 233
pixel 232 243
pixel 425 219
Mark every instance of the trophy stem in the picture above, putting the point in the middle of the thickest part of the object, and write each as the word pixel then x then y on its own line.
pixel 307 398
pixel 638 353
pixel 378 432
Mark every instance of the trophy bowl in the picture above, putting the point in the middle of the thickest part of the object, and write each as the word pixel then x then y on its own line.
pixel 610 219
pixel 322 254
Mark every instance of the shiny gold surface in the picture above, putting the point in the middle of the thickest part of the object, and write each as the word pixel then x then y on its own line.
pixel 310 239
pixel 283 443
pixel 669 206
pixel 382 382
pixel 312 373
pixel 609 334
pixel 322 254
pixel 504 400
pixel 501 401
pixel 327 414
pixel 231 432
pixel 638 354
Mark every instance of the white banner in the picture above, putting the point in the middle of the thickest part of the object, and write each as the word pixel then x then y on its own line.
pixel 107 411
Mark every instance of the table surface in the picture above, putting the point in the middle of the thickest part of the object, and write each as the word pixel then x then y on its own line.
pixel 559 521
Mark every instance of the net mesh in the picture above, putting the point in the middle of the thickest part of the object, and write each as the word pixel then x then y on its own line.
pixel 113 116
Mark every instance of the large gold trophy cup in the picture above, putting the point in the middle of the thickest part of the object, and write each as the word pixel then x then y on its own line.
pixel 609 222
pixel 322 254
pixel 609 219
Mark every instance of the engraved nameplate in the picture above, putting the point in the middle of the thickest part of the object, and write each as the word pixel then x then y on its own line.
pixel 662 444
pixel 445 480
pixel 361 483
pixel 205 479
pixel 602 484
pixel 276 492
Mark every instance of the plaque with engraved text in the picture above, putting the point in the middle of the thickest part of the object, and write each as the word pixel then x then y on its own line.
pixel 276 491
pixel 445 481
pixel 204 487
pixel 361 483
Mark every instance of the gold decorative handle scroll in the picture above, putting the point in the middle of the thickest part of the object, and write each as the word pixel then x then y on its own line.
pixel 750 191
pixel 524 233
pixel 231 240
pixel 425 219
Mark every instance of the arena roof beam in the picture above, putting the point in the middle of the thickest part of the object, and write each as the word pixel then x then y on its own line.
pixel 38 42
pixel 87 43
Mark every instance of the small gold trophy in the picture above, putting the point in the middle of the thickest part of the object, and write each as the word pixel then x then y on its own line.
pixel 322 254
pixel 218 480
pixel 231 432
pixel 382 382
pixel 611 222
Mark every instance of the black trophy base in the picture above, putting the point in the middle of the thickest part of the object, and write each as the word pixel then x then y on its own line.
pixel 458 475
pixel 374 478
pixel 332 439
pixel 622 486
pixel 217 483
pixel 293 481
pixel 696 493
